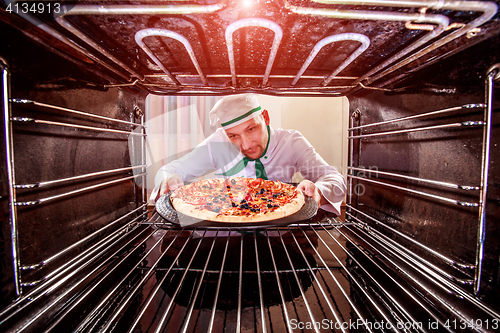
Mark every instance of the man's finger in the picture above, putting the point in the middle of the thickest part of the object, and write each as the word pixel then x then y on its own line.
pixel 174 182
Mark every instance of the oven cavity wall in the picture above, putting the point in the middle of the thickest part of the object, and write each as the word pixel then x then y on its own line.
pixel 74 177
pixel 415 184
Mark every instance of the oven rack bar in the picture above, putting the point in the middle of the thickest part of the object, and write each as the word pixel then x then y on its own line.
pixel 70 179
pixel 71 111
pixel 408 268
pixel 154 238
pixel 421 115
pixel 92 249
pixel 93 271
pixel 424 194
pixel 436 24
pixel 71 193
pixel 448 261
pixel 417 179
pixel 442 22
pixel 56 123
pixel 492 75
pixel 72 269
pixel 419 129
pixel 240 272
pixel 409 255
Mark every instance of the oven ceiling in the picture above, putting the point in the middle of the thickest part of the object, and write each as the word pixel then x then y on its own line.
pixel 278 47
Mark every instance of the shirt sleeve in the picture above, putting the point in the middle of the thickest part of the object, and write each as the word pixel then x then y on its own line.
pixel 191 165
pixel 331 184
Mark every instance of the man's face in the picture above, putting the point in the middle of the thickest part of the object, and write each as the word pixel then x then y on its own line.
pixel 251 136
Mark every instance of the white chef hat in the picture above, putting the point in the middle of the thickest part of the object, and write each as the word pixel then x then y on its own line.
pixel 234 110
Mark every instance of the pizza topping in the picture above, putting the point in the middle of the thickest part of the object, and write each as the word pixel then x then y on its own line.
pixel 236 196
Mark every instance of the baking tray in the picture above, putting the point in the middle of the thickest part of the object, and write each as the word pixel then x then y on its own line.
pixel 168 212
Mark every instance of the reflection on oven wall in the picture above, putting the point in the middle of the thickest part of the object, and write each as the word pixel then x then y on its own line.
pixel 392 164
pixel 176 124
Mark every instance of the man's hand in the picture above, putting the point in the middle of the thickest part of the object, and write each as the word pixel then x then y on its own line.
pixel 170 184
pixel 308 188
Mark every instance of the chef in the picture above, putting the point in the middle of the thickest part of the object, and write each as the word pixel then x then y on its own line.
pixel 246 146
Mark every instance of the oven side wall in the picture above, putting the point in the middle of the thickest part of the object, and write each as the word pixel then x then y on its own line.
pixel 447 155
pixel 45 152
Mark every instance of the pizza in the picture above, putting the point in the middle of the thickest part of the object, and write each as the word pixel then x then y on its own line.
pixel 237 199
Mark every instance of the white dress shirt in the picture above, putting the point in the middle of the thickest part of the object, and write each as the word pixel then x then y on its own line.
pixel 288 152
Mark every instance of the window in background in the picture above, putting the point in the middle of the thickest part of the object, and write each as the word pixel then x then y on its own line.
pixel 174 126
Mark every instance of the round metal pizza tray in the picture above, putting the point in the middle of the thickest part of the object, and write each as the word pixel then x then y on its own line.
pixel 168 212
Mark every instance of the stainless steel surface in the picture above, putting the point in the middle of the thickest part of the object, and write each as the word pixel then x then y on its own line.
pixel 89 258
pixel 55 123
pixel 80 242
pixel 485 166
pixel 415 236
pixel 207 27
pixel 10 175
pixel 449 261
pixel 420 115
pixel 165 208
pixel 89 175
pixel 71 193
pixel 429 181
pixel 365 42
pixel 74 112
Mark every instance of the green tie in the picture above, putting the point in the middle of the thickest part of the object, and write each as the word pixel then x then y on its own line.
pixel 260 172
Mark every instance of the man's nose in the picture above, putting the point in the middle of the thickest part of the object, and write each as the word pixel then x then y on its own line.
pixel 245 142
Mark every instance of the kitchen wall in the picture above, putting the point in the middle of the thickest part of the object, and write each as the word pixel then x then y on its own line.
pixel 322 120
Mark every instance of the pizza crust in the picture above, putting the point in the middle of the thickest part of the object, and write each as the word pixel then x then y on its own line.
pixel 283 211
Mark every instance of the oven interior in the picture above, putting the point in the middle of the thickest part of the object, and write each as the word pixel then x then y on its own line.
pixel 416 250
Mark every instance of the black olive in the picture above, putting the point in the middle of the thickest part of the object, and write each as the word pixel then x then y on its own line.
pixel 269 206
pixel 233 181
pixel 243 201
pixel 234 204
pixel 216 210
